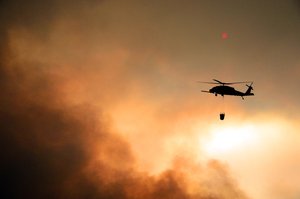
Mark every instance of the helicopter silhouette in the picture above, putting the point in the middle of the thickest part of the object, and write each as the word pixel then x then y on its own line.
pixel 223 89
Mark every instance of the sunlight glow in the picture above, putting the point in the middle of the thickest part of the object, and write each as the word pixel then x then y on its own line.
pixel 229 138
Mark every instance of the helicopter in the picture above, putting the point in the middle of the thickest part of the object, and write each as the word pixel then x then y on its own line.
pixel 223 89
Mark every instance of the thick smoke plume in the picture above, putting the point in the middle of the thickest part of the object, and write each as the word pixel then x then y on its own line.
pixel 54 149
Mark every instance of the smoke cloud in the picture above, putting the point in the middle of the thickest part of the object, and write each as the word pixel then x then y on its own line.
pixel 55 143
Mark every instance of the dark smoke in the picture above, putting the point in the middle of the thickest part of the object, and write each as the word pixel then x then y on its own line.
pixel 50 149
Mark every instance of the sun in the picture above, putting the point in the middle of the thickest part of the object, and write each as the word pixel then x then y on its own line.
pixel 229 138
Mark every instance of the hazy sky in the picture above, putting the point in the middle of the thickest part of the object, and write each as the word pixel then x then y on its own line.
pixel 99 99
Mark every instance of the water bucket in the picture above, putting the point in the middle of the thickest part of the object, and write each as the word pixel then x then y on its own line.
pixel 222 116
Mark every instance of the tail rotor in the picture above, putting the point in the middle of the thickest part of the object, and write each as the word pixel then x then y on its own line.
pixel 250 86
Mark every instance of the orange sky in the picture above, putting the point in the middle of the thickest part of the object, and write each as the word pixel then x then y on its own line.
pixel 129 69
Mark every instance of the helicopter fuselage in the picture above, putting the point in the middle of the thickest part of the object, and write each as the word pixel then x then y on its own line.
pixel 226 90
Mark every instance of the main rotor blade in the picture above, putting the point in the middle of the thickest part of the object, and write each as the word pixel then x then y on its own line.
pixel 225 83
pixel 219 81
pixel 208 82
pixel 237 82
pixel 228 83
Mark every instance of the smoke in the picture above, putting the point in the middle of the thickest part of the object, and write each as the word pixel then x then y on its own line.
pixel 50 149
pixel 53 146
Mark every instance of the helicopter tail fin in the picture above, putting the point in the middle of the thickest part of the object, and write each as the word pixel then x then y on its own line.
pixel 250 88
